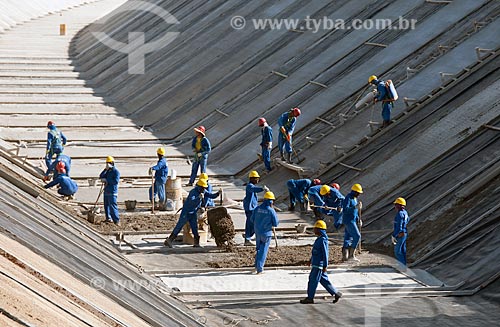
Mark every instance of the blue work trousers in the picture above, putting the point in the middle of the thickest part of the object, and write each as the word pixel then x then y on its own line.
pixel 283 142
pixel 266 156
pixel 262 243
pixel 111 207
pixel 351 234
pixel 386 111
pixel 199 163
pixel 400 249
pixel 249 228
pixel 183 219
pixel 48 157
pixel 159 190
pixel 318 276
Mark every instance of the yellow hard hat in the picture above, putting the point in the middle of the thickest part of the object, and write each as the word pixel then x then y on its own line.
pixel 357 188
pixel 371 78
pixel 254 173
pixel 324 189
pixel 320 224
pixel 160 151
pixel 400 201
pixel 202 183
pixel 204 176
pixel 110 159
pixel 269 196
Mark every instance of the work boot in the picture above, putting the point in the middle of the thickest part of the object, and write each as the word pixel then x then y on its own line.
pixel 345 254
pixel 302 207
pixel 197 242
pixel 169 240
pixel 307 301
pixel 249 243
pixel 291 207
pixel 282 156
pixel 289 158
pixel 352 256
pixel 338 295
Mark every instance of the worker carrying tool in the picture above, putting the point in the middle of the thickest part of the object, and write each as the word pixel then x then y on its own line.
pixel 387 94
pixel 110 176
pixel 52 169
pixel 266 142
pixel 161 173
pixel 55 143
pixel 319 265
pixel 66 186
pixel 207 202
pixel 201 148
pixel 316 199
pixel 350 218
pixel 400 232
pixel 287 122
pixel 189 212
pixel 250 202
pixel 333 203
pixel 297 191
pixel 265 221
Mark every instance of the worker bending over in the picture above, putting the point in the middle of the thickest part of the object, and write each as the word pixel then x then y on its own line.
pixel 315 195
pixel 201 148
pixel 333 202
pixel 66 186
pixel 52 169
pixel 400 232
pixel 110 176
pixel 350 218
pixel 297 190
pixel 286 124
pixel 161 173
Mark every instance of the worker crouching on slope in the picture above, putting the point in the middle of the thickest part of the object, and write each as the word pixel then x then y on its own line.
pixel 265 220
pixel 201 148
pixel 66 186
pixel 400 232
pixel 350 218
pixel 250 202
pixel 266 142
pixel 189 211
pixel 52 169
pixel 161 173
pixel 110 176
pixel 319 264
pixel 297 191
pixel 287 122
pixel 55 143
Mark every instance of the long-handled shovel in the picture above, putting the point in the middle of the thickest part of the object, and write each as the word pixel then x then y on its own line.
pixel 93 212
pixel 153 193
pixel 275 238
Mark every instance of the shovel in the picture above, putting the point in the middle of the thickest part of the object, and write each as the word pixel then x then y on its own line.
pixel 153 193
pixel 275 238
pixel 93 212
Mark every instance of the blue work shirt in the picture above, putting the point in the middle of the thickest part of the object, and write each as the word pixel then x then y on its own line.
pixel 401 222
pixel 315 196
pixel 264 218
pixel 195 198
pixel 67 163
pixel 267 135
pixel 161 170
pixel 302 185
pixel 250 201
pixel 67 185
pixel 208 202
pixel 319 257
pixel 287 123
pixel 55 138
pixel 205 147
pixel 333 199
pixel 382 93
pixel 112 177
pixel 350 210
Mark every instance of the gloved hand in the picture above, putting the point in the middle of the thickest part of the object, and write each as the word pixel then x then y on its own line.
pixel 360 223
pixel 324 269
pixel 266 189
pixel 270 145
pixel 201 210
pixel 288 137
pixel 394 240
pixel 46 178
pixel 150 171
pixel 339 209
pixel 103 180
pixel 359 205
pixel 199 154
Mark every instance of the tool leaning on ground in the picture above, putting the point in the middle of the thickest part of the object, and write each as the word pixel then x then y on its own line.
pixel 93 212
pixel 152 190
pixel 360 224
pixel 275 238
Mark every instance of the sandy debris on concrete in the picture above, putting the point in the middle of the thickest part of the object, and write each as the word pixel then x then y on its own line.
pixel 146 222
pixel 221 226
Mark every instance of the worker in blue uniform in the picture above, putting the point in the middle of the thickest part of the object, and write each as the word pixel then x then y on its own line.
pixel 400 232
pixel 297 191
pixel 207 202
pixel 265 220
pixel 66 186
pixel 110 176
pixel 52 169
pixel 161 173
pixel 319 265
pixel 382 96
pixel 55 143
pixel 334 199
pixel 201 148
pixel 250 203
pixel 350 218
pixel 316 199
pixel 286 124
pixel 266 142
pixel 189 211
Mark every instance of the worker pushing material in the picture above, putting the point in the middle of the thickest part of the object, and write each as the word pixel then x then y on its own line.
pixel 201 148
pixel 52 169
pixel 350 218
pixel 319 265
pixel 250 202
pixel 189 212
pixel 55 143
pixel 287 122
pixel 400 231
pixel 265 221
pixel 160 178
pixel 66 186
pixel 110 176
pixel 387 94
pixel 297 191
pixel 266 142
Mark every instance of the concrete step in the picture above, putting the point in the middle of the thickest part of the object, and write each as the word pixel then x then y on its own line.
pixel 51 99
pixel 39 74
pixel 24 82
pixel 56 108
pixel 36 67
pixel 49 90
pixel 34 61
pixel 63 121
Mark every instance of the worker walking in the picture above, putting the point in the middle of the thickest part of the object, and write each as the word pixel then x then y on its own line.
pixel 350 218
pixel 287 122
pixel 66 186
pixel 264 219
pixel 250 202
pixel 297 191
pixel 319 265
pixel 400 232
pixel 52 169
pixel 207 202
pixel 189 211
pixel 334 199
pixel 161 173
pixel 55 143
pixel 266 143
pixel 384 96
pixel 201 148
pixel 110 176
